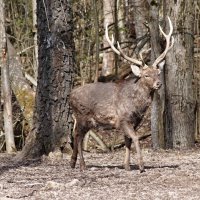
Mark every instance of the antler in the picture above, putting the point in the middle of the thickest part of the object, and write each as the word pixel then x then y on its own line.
pixel 119 50
pixel 169 40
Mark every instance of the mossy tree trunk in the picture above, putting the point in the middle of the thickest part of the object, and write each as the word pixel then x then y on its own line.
pixel 52 114
pixel 20 86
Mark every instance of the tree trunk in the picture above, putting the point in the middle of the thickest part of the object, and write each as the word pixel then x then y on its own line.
pixel 180 104
pixel 142 14
pixel 52 116
pixel 197 68
pixel 157 109
pixel 1 107
pixel 120 13
pixel 35 58
pixel 108 56
pixel 7 107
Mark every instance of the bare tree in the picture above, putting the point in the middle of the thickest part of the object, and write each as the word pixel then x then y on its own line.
pixel 35 59
pixel 7 107
pixel 96 19
pixel 108 56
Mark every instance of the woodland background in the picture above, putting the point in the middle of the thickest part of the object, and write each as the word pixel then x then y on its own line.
pixel 34 56
pixel 50 46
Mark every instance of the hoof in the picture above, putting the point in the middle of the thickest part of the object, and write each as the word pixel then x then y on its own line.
pixel 72 164
pixel 142 170
pixel 127 167
pixel 82 167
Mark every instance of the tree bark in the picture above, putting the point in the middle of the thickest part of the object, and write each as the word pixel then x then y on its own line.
pixel 52 116
pixel 197 68
pixel 141 16
pixel 180 104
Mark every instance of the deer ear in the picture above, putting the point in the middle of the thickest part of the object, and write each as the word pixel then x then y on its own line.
pixel 136 70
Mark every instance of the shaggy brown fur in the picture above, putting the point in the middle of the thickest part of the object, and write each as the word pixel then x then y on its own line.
pixel 114 105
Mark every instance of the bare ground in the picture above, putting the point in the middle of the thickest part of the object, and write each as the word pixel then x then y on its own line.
pixel 169 175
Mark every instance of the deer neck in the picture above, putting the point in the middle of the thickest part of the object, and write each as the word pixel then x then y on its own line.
pixel 140 88
pixel 136 99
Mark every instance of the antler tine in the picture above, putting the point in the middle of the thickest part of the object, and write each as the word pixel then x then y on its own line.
pixel 119 50
pixel 141 55
pixel 111 43
pixel 169 40
pixel 135 61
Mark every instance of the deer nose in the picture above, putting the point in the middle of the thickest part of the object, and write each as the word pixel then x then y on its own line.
pixel 157 85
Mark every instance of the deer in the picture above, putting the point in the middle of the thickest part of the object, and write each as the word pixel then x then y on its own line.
pixel 117 105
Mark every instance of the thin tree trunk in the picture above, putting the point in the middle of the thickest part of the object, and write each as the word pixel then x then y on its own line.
pixel 96 19
pixel 7 107
pixel 35 58
pixel 108 56
pixel 116 28
pixel 121 20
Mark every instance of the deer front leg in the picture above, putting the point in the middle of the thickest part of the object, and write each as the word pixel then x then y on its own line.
pixel 131 133
pixel 75 152
pixel 128 142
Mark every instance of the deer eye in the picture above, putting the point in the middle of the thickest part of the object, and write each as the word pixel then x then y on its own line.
pixel 146 76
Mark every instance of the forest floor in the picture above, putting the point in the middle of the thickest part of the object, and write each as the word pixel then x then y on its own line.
pixel 169 175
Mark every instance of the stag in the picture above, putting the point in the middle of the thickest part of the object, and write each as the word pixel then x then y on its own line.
pixel 117 105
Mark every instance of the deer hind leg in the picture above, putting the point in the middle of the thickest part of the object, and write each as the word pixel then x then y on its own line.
pixel 75 150
pixel 79 134
pixel 128 142
pixel 131 133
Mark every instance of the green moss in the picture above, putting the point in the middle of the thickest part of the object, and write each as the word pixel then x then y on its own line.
pixel 26 100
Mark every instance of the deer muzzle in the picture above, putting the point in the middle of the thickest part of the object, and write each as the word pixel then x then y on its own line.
pixel 157 85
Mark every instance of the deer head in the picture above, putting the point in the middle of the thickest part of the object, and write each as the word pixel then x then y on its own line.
pixel 139 68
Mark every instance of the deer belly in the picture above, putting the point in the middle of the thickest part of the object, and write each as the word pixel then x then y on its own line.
pixel 106 119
